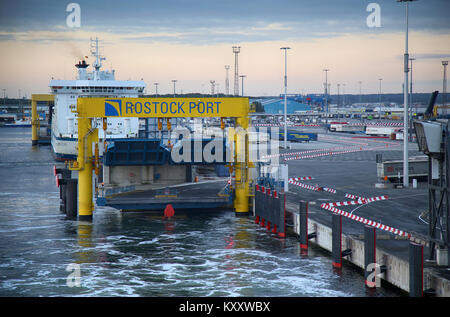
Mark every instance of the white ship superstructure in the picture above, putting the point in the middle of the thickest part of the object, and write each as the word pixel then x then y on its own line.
pixel 97 83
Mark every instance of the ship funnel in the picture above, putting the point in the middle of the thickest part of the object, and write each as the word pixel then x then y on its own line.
pixel 82 65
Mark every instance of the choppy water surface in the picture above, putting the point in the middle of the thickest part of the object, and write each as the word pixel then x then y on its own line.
pixel 140 254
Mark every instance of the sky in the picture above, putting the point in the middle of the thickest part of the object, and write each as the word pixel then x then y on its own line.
pixel 191 41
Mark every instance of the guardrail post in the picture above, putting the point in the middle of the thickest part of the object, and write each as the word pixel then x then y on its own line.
pixel 336 249
pixel 282 215
pixel 274 212
pixel 415 270
pixel 370 256
pixel 270 207
pixel 303 211
pixel 263 206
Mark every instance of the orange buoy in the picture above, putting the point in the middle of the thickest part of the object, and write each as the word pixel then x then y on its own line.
pixel 169 211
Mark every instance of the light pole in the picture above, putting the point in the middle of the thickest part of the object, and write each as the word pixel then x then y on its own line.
pixel 285 95
pixel 343 95
pixel 242 78
pixel 326 98
pixel 338 86
pixel 444 89
pixel 174 91
pixel 410 98
pixel 405 106
pixel 360 95
pixel 156 89
pixel 326 88
pixel 379 92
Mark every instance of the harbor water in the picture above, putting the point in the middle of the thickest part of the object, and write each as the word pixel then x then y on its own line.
pixel 212 253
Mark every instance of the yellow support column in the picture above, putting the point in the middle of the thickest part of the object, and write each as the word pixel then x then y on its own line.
pixel 34 123
pixel 86 136
pixel 241 168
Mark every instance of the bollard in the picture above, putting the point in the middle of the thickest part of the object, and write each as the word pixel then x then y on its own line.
pixel 61 183
pixel 71 198
pixel 275 211
pixel 257 203
pixel 415 270
pixel 270 208
pixel 282 215
pixel 370 256
pixel 263 206
pixel 336 250
pixel 303 224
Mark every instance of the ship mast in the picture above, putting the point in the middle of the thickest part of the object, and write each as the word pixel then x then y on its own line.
pixel 98 58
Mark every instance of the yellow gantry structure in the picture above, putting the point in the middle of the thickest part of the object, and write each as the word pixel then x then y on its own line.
pixel 35 122
pixel 89 108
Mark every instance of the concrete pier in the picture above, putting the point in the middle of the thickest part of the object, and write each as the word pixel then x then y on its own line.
pixel 355 173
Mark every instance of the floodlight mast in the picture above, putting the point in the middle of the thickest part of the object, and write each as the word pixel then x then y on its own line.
pixel 285 95
pixel 405 106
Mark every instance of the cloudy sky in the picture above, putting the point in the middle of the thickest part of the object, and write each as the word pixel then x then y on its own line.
pixel 191 41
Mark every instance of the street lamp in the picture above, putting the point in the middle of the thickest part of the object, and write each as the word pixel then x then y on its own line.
pixel 343 95
pixel 174 91
pixel 326 98
pixel 285 95
pixel 444 89
pixel 405 106
pixel 338 86
pixel 379 92
pixel 242 76
pixel 410 97
pixel 360 96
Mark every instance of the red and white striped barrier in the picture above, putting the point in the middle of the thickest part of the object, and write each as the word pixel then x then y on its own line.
pixel 305 178
pixel 351 196
pixel 315 188
pixel 310 187
pixel 378 124
pixel 330 190
pixel 308 151
pixel 282 125
pixel 360 201
pixel 368 222
pixel 321 154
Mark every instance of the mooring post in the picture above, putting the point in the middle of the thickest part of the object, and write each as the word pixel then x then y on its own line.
pixel 275 212
pixel 270 208
pixel 415 270
pixel 282 215
pixel 370 256
pixel 336 249
pixel 257 203
pixel 61 183
pixel 263 206
pixel 71 198
pixel 303 211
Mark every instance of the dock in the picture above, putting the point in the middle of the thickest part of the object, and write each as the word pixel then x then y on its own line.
pixel 355 173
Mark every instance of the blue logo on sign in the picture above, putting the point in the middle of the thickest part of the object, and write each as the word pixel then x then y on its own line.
pixel 113 108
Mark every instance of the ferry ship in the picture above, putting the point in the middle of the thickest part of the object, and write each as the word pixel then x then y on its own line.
pixel 97 83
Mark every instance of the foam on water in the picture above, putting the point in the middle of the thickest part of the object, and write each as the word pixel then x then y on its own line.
pixel 138 254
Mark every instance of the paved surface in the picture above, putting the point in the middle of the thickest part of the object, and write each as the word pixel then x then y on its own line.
pixel 355 173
